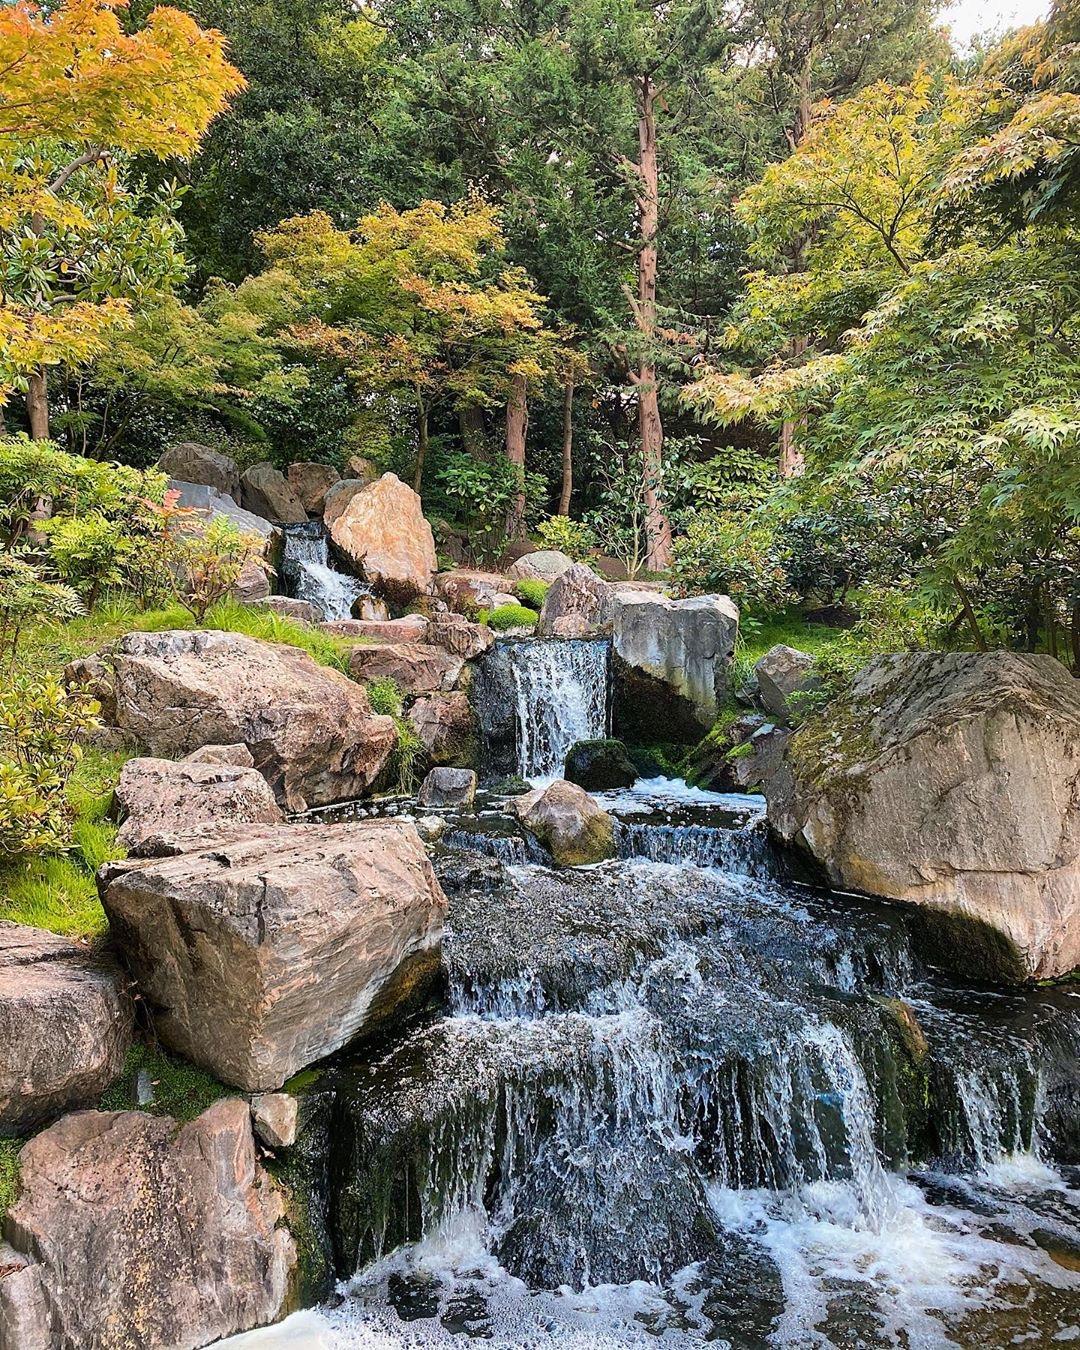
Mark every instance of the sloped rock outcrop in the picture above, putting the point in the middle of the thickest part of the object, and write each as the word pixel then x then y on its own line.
pixel 951 781
pixel 261 948
pixel 579 604
pixel 458 635
pixel 570 825
pixel 310 730
pixel 382 532
pixel 163 795
pixel 65 1026
pixel 134 1230
pixel 672 659
pixel 466 590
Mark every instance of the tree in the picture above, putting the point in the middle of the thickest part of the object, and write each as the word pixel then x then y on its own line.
pixel 78 97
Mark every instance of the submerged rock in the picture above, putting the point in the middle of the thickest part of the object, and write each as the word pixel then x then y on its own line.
pixel 310 729
pixel 950 781
pixel 570 825
pixel 262 948
pixel 599 766
pixel 136 1230
pixel 163 795
pixel 672 659
pixel 448 787
pixel 65 1026
pixel 383 533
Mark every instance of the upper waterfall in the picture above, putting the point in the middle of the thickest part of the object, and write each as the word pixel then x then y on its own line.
pixel 306 564
pixel 560 693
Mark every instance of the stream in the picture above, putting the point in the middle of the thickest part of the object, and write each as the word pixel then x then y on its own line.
pixel 687 1097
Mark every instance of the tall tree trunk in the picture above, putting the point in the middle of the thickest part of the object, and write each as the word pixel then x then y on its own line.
pixel 517 426
pixel 471 423
pixel 422 440
pixel 567 447
pixel 790 456
pixel 650 427
pixel 37 405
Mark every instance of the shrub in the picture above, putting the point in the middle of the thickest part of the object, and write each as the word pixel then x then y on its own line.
pixel 90 552
pixel 532 593
pixel 207 561
pixel 386 698
pixel 26 597
pixel 40 726
pixel 572 537
pixel 734 555
pixel 511 616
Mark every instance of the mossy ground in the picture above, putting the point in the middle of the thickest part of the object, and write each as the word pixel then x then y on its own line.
pixel 177 1088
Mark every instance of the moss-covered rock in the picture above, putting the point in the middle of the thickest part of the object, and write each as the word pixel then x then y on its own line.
pixel 599 766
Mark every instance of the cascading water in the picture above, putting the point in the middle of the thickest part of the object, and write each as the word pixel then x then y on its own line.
pixel 560 692
pixel 677 1100
pixel 306 566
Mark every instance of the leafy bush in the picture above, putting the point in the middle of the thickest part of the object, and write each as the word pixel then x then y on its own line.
pixel 90 552
pixel 509 616
pixel 572 537
pixel 734 555
pixel 479 496
pixel 40 727
pixel 26 597
pixel 532 592
pixel 208 560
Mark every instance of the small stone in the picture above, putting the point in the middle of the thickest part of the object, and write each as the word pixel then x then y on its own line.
pixel 274 1116
pixel 222 754
pixel 431 828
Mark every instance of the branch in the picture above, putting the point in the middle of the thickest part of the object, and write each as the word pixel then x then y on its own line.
pixel 84 161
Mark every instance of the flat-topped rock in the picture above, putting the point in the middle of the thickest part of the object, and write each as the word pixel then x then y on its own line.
pixel 951 781
pixel 302 611
pixel 467 590
pixel 261 948
pixel 672 659
pixel 65 1026
pixel 415 667
pixel 448 787
pixel 162 795
pixel 409 628
pixel 134 1230
pixel 310 729
pixel 385 537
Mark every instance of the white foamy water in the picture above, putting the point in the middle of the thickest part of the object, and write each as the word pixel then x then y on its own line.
pixel 333 593
pixel 560 688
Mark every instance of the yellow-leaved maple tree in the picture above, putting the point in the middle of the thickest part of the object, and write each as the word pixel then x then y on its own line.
pixel 78 95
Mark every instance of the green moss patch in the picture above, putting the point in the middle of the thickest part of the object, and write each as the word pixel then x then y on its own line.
pixel 175 1087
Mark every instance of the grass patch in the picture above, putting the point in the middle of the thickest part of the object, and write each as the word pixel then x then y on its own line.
pixel 57 891
pixel 45 648
pixel 176 1087
pixel 9 1172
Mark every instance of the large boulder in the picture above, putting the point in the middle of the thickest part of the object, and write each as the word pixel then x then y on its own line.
pixel 600 766
pixel 448 787
pixel 135 1230
pixel 311 482
pixel 415 667
pixel 310 729
pixel 193 463
pixel 782 672
pixel 579 604
pixel 545 564
pixel 672 659
pixel 261 948
pixel 65 1026
pixel 163 795
pixel 951 781
pixel 266 491
pixel 459 635
pixel 383 534
pixel 447 729
pixel 570 825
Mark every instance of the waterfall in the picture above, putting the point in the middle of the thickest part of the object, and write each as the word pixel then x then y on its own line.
pixel 742 851
pixel 306 566
pixel 560 693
